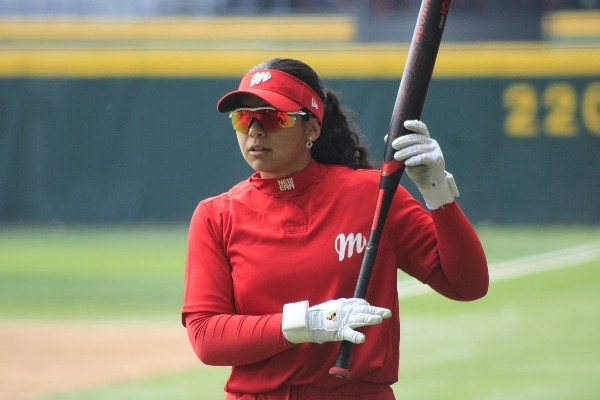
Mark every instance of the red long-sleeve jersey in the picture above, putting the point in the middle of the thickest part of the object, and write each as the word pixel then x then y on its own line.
pixel 268 242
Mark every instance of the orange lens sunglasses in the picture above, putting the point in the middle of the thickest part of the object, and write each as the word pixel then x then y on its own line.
pixel 269 118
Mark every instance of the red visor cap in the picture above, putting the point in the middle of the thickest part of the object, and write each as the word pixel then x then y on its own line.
pixel 281 90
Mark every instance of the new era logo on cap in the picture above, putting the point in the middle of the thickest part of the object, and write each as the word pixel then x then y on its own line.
pixel 314 103
pixel 260 77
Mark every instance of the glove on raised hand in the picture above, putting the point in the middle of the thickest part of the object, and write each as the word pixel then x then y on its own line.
pixel 332 321
pixel 425 165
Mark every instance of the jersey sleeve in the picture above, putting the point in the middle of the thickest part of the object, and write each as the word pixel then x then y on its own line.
pixel 225 339
pixel 219 336
pixel 410 232
pixel 462 273
pixel 439 248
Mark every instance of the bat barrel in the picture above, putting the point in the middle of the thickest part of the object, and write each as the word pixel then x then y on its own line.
pixel 418 69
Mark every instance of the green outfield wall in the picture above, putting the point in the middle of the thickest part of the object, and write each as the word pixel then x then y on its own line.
pixel 133 135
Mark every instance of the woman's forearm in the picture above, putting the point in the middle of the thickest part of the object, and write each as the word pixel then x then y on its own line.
pixel 463 273
pixel 224 339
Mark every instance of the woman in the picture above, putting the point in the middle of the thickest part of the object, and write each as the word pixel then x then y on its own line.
pixel 272 264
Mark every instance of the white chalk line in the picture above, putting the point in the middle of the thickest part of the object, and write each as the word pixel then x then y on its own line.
pixel 564 258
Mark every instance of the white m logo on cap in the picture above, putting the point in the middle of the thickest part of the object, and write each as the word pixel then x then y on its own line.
pixel 260 77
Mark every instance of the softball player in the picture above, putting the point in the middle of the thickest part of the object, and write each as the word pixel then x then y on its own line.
pixel 272 264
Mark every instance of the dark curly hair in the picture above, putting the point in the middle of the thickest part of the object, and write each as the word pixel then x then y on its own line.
pixel 339 142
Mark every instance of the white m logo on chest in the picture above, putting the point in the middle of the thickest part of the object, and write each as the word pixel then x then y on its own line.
pixel 346 245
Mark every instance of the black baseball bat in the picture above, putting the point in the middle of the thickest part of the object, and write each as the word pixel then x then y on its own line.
pixel 410 100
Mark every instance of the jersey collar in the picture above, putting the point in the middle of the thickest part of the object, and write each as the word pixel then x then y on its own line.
pixel 287 187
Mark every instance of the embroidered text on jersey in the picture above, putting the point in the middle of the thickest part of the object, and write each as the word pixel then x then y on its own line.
pixel 347 245
pixel 286 184
pixel 260 77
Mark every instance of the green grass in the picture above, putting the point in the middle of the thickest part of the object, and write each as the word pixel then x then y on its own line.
pixel 509 242
pixel 532 337
pixel 58 272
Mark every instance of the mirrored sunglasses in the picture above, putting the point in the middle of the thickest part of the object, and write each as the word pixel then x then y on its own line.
pixel 269 118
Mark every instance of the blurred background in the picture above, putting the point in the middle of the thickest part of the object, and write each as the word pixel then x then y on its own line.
pixel 107 108
pixel 109 137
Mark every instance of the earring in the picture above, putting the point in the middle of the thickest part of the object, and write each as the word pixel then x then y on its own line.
pixel 309 143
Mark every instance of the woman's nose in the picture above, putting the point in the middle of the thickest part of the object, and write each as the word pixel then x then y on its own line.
pixel 256 129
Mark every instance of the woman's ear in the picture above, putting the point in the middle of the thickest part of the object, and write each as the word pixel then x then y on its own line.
pixel 314 128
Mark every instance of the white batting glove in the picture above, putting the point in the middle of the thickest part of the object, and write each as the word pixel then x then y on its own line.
pixel 425 165
pixel 332 321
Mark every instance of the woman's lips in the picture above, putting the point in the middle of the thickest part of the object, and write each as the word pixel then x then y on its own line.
pixel 257 149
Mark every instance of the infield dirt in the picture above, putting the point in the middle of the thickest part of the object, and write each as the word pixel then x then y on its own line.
pixel 43 358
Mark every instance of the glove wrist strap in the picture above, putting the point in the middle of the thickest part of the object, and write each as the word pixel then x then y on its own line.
pixel 442 193
pixel 294 324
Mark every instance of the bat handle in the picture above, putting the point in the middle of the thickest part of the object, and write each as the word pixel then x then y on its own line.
pixel 340 369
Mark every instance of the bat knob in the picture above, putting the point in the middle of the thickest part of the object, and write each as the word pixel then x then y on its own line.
pixel 339 372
